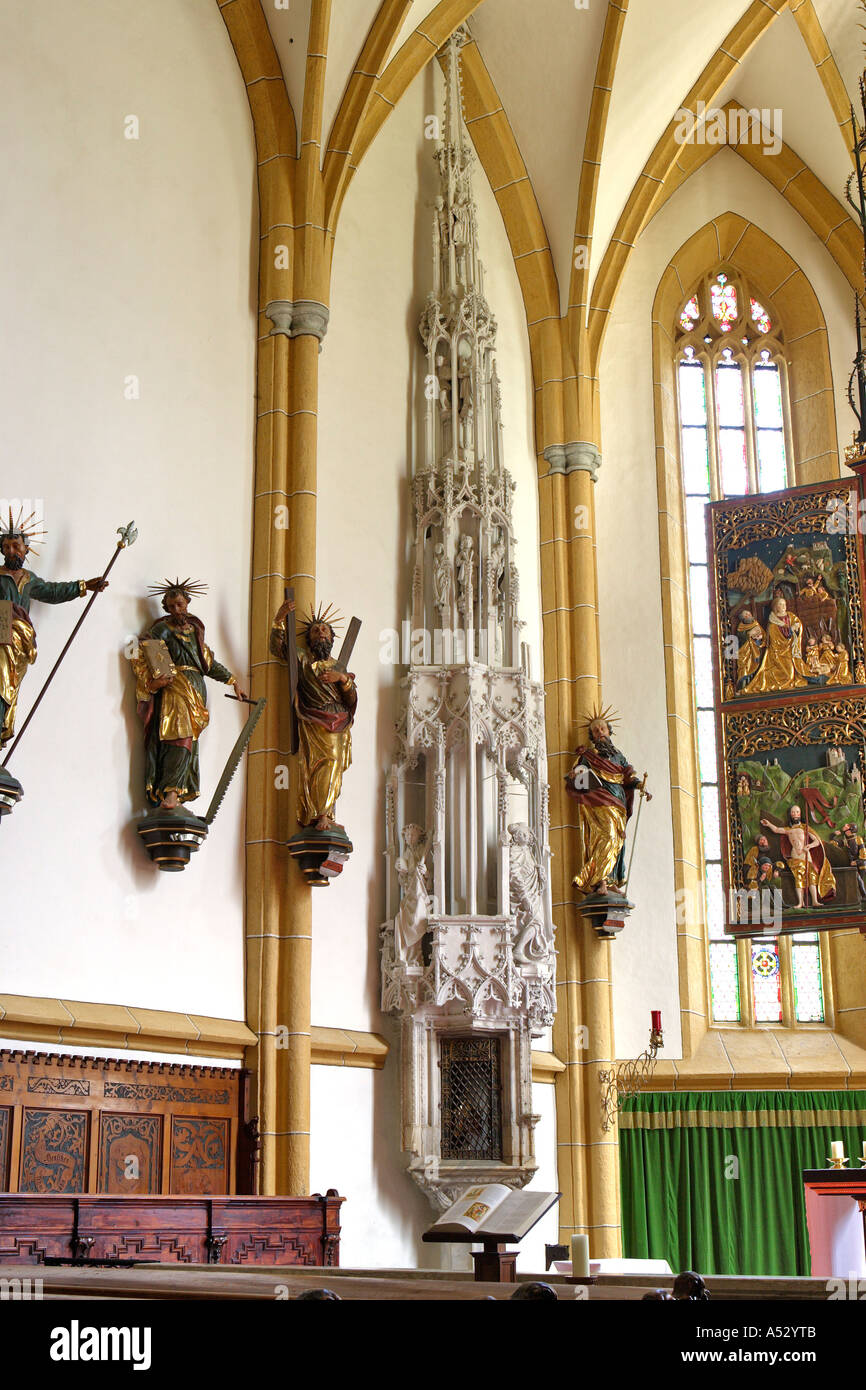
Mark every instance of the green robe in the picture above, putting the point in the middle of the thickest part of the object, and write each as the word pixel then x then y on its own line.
pixel 15 659
pixel 175 716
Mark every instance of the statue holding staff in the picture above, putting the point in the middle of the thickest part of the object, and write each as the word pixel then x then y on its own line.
pixel 19 587
pixel 170 664
pixel 603 783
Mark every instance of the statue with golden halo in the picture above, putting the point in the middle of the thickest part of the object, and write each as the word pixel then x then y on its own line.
pixel 19 586
pixel 324 701
pixel 170 663
pixel 603 783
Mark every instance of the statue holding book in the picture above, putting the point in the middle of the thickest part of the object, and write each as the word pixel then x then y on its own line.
pixel 171 662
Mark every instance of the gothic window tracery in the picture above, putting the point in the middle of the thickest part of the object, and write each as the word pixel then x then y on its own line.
pixel 735 440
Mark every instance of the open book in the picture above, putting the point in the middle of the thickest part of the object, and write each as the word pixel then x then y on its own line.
pixel 492 1212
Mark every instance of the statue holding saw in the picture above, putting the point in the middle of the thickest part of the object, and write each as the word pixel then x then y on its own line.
pixel 170 668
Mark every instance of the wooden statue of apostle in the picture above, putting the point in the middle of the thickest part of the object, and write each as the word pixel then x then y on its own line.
pixel 324 700
pixel 603 782
pixel 19 586
pixel 170 665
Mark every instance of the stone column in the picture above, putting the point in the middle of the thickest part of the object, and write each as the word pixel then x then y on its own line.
pixel 588 1158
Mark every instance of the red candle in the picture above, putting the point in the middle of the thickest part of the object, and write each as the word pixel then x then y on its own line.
pixel 657 1020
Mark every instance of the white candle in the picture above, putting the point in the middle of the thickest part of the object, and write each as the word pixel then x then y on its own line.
pixel 837 1149
pixel 580 1257
pixel 864 1150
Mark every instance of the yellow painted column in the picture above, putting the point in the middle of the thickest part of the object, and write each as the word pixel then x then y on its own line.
pixel 279 904
pixel 588 1158
pixel 293 296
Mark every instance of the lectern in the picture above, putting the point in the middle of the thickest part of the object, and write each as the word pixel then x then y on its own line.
pixel 492 1216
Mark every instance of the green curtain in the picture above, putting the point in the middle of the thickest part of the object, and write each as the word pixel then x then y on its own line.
pixel 712 1180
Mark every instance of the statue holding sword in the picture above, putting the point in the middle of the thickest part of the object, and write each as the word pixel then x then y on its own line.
pixel 603 782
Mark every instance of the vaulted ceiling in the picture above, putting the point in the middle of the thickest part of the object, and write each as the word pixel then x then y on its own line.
pixel 800 57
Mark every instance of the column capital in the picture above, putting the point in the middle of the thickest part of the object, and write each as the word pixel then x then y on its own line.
pixel 575 457
pixel 297 317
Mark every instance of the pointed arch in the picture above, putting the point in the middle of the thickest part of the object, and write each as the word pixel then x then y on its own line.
pixel 751 251
pixel 639 207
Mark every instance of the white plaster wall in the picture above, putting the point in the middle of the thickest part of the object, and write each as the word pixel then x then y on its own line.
pixel 645 962
pixel 183 1059
pixel 354 1146
pixel 530 1259
pixel 124 257
pixel 371 383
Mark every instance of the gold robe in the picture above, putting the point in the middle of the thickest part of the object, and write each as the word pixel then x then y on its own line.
pixel 783 667
pixel 841 673
pixel 325 715
pixel 14 660
pixel 750 649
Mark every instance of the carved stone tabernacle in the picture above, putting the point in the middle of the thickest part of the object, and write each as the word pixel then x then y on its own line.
pixel 467 948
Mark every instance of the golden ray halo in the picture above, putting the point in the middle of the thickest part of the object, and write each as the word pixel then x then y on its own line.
pixel 27 527
pixel 324 614
pixel 191 587
pixel 597 712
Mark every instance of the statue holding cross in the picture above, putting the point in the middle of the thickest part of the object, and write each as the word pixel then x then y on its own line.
pixel 324 699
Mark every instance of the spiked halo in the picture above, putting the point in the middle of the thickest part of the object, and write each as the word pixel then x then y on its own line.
pixel 26 528
pixel 323 614
pixel 191 587
pixel 606 712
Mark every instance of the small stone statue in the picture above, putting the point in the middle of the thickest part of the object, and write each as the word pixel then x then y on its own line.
pixel 411 920
pixel 465 567
pixel 443 580
pixel 526 883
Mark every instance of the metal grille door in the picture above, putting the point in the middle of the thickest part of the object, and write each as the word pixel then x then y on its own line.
pixel 471 1098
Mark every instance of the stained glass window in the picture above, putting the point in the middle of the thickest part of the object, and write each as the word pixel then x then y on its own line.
pixel 731 410
pixel 767 981
pixel 723 296
pixel 690 315
pixel 760 317
pixel 769 424
pixel 725 982
pixel 732 443
pixel 808 989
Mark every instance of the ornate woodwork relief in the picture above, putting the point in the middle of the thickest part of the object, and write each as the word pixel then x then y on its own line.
pixel 129 1153
pixel 54 1144
pixel 198 1155
pixel 158 1127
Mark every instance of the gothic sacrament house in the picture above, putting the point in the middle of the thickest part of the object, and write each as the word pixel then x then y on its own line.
pixel 468 955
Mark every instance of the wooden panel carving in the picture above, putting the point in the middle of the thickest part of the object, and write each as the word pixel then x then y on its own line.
pixel 129 1154
pixel 96 1124
pixel 188 1230
pixel 5 1144
pixel 53 1151
pixel 198 1156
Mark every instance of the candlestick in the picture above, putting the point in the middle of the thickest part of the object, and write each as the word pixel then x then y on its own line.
pixel 837 1154
pixel 656 1015
pixel 580 1257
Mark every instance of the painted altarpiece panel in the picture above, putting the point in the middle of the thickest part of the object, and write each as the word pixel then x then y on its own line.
pixel 786 595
